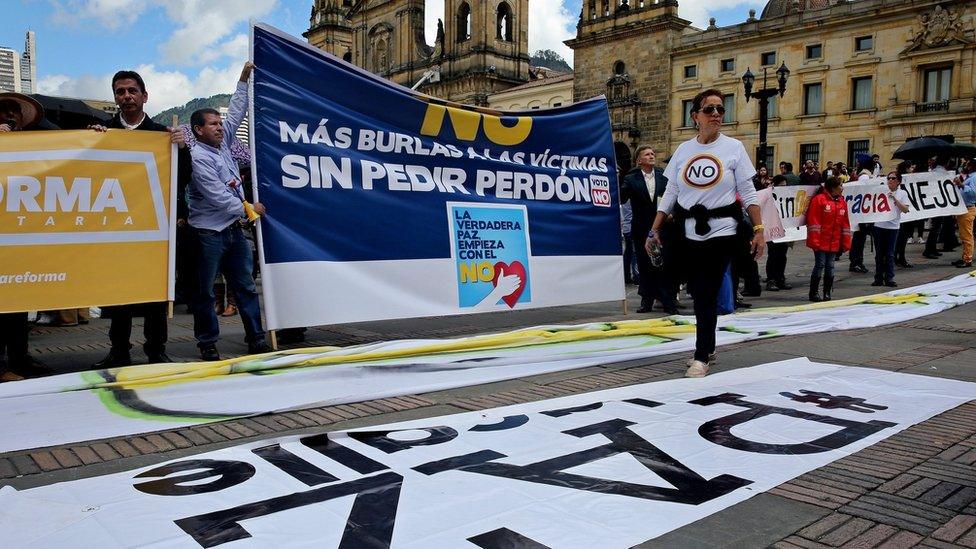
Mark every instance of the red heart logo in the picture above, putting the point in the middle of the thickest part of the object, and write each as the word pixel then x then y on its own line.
pixel 514 268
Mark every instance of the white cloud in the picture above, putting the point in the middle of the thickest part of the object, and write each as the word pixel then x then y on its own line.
pixel 203 25
pixel 166 88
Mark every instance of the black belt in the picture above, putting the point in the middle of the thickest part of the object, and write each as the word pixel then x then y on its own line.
pixel 701 215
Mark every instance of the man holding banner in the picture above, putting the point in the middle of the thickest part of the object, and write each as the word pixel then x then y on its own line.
pixel 217 213
pixel 131 96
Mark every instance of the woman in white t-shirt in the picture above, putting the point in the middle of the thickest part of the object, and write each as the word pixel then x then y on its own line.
pixel 886 234
pixel 704 176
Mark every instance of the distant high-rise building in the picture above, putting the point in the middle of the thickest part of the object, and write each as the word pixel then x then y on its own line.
pixel 9 70
pixel 242 131
pixel 28 65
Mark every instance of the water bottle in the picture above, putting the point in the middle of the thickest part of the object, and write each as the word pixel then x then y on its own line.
pixel 657 258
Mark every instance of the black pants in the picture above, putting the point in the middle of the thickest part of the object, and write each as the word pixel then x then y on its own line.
pixel 655 282
pixel 776 261
pixel 154 329
pixel 13 339
pixel 745 268
pixel 857 243
pixel 707 262
pixel 949 239
pixel 628 258
pixel 932 241
pixel 904 233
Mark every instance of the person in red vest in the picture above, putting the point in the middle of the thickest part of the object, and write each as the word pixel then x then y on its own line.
pixel 828 232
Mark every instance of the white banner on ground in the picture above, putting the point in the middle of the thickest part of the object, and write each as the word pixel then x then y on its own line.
pixel 139 399
pixel 605 469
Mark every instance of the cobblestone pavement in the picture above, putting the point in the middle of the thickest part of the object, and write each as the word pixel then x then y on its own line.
pixel 916 488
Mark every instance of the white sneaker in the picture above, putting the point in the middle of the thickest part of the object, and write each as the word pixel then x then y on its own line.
pixel 696 368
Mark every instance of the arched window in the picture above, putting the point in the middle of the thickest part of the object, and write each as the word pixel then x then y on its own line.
pixel 381 56
pixel 464 22
pixel 504 22
pixel 347 57
pixel 619 68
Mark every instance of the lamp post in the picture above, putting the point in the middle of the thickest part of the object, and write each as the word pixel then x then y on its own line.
pixel 763 95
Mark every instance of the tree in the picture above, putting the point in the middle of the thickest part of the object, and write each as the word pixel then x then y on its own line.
pixel 550 60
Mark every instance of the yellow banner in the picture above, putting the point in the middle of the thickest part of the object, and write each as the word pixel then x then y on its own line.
pixel 85 219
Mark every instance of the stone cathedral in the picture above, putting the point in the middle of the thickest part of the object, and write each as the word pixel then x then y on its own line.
pixel 482 46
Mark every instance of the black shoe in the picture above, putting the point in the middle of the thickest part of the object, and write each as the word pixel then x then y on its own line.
pixel 877 283
pixel 754 292
pixel 739 304
pixel 931 255
pixel 29 367
pixel 158 358
pixel 672 311
pixel 258 348
pixel 904 264
pixel 784 285
pixel 114 359
pixel 858 268
pixel 209 353
pixel 891 284
pixel 771 286
pixel 962 264
pixel 644 309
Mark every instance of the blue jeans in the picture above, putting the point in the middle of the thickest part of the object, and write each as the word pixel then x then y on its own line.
pixel 823 263
pixel 229 252
pixel 884 254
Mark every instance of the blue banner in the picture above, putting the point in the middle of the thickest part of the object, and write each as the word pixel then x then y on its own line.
pixel 353 168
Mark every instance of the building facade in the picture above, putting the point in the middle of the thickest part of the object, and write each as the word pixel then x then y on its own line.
pixel 9 70
pixel 481 46
pixel 547 89
pixel 866 75
pixel 28 65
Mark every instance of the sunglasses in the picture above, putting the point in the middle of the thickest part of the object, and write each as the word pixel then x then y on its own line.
pixel 712 109
pixel 890 177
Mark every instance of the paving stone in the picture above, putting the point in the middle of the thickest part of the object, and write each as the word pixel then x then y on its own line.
pixel 161 444
pixel 960 500
pixel 898 483
pixel 194 437
pixel 846 532
pixel 176 439
pixel 123 448
pixel 797 541
pixel 287 421
pixel 259 428
pixel 918 488
pixel 874 536
pixel 46 461
pixel 24 464
pixel 208 432
pixel 7 469
pixel 968 539
pixel 955 528
pixel 901 540
pixel 824 525
pixel 228 433
pixel 143 445
pixel 316 419
pixel 241 429
pixel 939 493
pixel 86 454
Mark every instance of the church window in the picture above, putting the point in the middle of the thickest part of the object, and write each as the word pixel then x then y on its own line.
pixel 619 68
pixel 464 22
pixel 504 22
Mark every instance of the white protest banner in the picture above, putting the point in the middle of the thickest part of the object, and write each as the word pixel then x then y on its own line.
pixel 793 201
pixel 605 469
pixel 869 201
pixel 139 399
pixel 931 194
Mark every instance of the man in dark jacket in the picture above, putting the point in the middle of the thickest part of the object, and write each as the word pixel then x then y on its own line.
pixel 131 96
pixel 642 187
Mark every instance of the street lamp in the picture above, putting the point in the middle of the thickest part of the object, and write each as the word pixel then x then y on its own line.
pixel 763 95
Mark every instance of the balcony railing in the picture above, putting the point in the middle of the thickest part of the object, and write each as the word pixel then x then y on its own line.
pixel 937 106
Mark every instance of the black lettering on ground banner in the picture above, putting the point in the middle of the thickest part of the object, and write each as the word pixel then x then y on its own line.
pixel 341 454
pixel 226 473
pixel 457 462
pixel 370 522
pixel 830 402
pixel 503 538
pixel 644 402
pixel 689 487
pixel 508 422
pixel 719 430
pixel 573 410
pixel 295 466
pixel 382 441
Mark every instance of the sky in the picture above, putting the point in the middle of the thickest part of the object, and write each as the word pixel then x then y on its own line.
pixel 195 48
